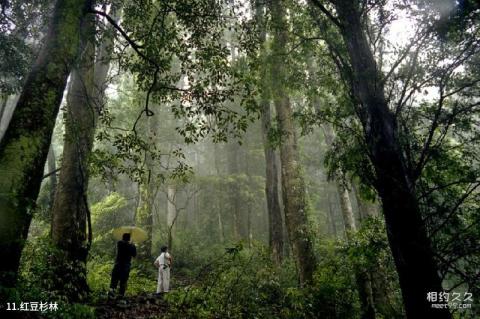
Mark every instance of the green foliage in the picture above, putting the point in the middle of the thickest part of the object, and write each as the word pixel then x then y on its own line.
pixel 139 282
pixel 57 276
pixel 198 86
pixel 37 271
pixel 369 244
pixel 191 251
pixel 98 276
pixel 368 250
pixel 236 285
pixel 245 284
pixel 102 211
pixel 37 282
pixel 20 21
pixel 334 288
pixel 107 215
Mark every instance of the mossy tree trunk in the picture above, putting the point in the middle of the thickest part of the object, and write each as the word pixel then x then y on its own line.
pixel 70 209
pixel 293 184
pixel 24 148
pixel 275 222
pixel 71 214
pixel 52 167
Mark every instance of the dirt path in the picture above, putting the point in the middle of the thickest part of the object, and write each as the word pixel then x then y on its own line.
pixel 141 306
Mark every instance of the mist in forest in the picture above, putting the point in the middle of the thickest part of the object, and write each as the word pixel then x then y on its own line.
pixel 240 159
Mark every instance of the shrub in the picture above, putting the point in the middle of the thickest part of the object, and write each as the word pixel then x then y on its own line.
pixel 36 283
pixel 245 284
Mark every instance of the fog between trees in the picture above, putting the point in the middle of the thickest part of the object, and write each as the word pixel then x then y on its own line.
pixel 298 160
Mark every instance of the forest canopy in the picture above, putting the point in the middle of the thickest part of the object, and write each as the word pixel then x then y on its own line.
pixel 282 158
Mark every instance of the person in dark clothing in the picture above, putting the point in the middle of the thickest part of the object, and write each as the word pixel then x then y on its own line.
pixel 121 270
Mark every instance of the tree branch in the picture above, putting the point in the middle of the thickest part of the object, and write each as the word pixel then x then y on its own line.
pixel 322 8
pixel 51 173
pixel 454 209
pixel 135 46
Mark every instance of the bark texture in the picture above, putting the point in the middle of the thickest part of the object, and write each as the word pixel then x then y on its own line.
pixel 171 213
pixel 3 106
pixel 293 184
pixel 52 167
pixel 411 247
pixel 331 215
pixel 6 112
pixel 24 148
pixel 274 210
pixel 71 215
pixel 70 209
pixel 346 207
pixel 362 277
pixel 239 220
pixel 219 201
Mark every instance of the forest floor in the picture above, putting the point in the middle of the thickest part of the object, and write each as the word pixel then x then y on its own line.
pixel 142 306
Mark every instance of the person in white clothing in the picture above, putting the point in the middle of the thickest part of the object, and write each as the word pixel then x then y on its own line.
pixel 163 263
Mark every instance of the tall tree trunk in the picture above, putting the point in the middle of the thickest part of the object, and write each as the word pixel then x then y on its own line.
pixel 70 209
pixel 53 183
pixel 24 148
pixel 71 215
pixel 331 215
pixel 275 222
pixel 171 213
pixel 249 201
pixel 52 167
pixel 219 206
pixel 3 106
pixel 411 247
pixel 293 184
pixel 346 207
pixel 234 191
pixel 102 61
pixel 221 233
pixel 361 275
pixel 7 111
